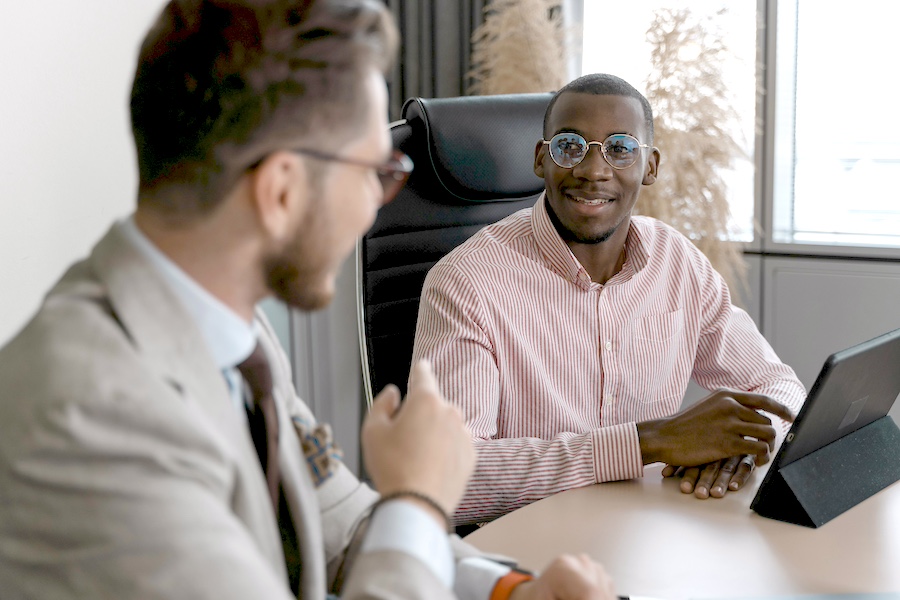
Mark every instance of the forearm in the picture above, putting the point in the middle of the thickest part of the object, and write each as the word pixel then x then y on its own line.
pixel 515 472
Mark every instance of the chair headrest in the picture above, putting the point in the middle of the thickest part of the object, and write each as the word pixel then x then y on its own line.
pixel 481 148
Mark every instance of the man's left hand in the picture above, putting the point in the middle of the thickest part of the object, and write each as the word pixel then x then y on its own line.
pixel 713 479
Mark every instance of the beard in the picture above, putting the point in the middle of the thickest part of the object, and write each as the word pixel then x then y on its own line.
pixel 297 286
pixel 569 235
pixel 300 274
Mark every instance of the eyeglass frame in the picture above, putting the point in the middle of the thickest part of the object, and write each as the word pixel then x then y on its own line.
pixel 397 168
pixel 591 143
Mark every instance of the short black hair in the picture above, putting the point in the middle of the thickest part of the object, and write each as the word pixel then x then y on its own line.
pixel 603 84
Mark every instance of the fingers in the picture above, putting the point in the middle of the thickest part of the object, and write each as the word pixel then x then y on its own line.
pixel 705 480
pixel 756 448
pixel 763 402
pixel 742 473
pixel 669 470
pixel 751 416
pixel 385 403
pixel 689 479
pixel 727 469
pixel 717 478
pixel 763 433
pixel 381 414
pixel 725 475
pixel 421 382
pixel 422 379
pixel 570 577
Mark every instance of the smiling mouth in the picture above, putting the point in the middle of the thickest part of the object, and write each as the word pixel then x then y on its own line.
pixel 589 201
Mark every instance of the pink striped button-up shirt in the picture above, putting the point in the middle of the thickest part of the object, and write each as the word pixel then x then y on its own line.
pixel 553 371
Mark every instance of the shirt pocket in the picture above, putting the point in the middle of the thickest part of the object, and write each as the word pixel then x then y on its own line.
pixel 658 362
pixel 659 328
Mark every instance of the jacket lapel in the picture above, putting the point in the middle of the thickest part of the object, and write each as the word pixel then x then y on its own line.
pixel 173 347
pixel 297 483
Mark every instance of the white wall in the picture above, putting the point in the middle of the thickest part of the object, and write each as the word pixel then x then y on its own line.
pixel 66 157
pixel 813 307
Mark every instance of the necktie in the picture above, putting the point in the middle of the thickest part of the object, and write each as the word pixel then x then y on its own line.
pixel 263 421
pixel 262 418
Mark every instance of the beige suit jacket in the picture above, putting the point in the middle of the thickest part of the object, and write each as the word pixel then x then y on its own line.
pixel 125 471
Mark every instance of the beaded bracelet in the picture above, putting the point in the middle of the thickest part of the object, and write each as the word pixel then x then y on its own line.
pixel 419 496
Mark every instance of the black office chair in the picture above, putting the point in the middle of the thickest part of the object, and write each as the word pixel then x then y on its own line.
pixel 474 160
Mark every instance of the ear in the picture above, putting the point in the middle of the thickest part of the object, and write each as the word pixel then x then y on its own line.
pixel 279 193
pixel 539 153
pixel 652 166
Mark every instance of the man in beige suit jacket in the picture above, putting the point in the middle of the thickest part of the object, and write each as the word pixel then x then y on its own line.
pixel 127 466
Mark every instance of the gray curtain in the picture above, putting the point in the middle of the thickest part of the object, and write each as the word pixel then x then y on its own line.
pixel 435 50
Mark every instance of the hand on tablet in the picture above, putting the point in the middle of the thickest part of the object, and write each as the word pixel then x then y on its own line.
pixel 717 441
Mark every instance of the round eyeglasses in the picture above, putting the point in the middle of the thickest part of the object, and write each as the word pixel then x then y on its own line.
pixel 620 150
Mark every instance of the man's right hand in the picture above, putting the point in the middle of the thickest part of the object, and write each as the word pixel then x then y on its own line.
pixel 421 445
pixel 724 424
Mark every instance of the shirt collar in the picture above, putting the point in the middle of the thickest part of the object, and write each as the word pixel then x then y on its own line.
pixel 229 338
pixel 559 256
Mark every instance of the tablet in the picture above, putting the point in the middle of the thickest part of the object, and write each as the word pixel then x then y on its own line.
pixel 855 388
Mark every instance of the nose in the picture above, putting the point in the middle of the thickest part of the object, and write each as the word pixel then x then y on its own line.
pixel 593 166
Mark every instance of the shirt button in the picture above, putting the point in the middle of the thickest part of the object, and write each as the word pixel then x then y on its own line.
pixel 608 345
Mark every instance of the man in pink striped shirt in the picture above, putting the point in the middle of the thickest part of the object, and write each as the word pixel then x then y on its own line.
pixel 568 333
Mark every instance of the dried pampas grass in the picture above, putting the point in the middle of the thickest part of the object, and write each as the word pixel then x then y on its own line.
pixel 522 46
pixel 695 128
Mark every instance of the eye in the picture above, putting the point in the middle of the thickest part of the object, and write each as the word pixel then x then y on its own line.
pixel 620 147
pixel 570 146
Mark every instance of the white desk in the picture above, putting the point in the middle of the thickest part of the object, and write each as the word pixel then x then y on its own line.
pixel 656 541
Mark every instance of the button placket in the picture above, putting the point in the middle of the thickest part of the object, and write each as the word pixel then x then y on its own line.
pixel 604 347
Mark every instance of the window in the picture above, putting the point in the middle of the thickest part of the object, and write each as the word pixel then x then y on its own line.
pixel 837 130
pixel 826 184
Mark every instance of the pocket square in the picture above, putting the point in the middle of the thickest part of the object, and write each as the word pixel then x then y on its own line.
pixel 322 455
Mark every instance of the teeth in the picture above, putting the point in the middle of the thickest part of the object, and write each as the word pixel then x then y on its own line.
pixel 589 201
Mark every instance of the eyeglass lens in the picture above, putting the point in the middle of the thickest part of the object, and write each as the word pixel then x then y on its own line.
pixel 394 174
pixel 619 150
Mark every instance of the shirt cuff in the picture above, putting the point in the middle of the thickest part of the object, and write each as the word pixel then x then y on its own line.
pixel 404 527
pixel 617 453
pixel 476 578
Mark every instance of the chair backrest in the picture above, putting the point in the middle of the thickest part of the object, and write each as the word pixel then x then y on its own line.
pixel 474 160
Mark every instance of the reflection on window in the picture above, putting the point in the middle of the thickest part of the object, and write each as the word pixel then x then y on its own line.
pixel 839 150
pixel 615 41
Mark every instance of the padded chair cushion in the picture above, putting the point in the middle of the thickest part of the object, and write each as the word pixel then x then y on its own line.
pixel 473 161
pixel 474 152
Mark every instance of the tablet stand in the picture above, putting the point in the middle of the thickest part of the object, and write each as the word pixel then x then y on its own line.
pixel 823 484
